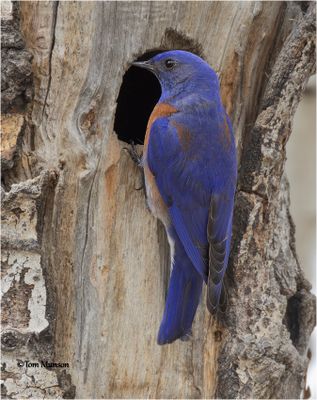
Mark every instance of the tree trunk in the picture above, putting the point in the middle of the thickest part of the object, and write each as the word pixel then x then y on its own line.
pixel 86 265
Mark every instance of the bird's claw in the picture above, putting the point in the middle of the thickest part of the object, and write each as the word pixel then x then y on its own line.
pixel 135 156
pixel 137 159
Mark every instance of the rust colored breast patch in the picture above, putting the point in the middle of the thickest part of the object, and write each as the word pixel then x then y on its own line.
pixel 154 197
pixel 160 110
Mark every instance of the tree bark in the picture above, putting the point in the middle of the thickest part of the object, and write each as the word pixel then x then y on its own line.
pixel 85 263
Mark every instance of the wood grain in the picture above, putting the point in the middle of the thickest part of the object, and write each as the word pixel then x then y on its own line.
pixel 105 257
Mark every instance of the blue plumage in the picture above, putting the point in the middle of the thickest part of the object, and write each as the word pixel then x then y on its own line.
pixel 183 297
pixel 190 174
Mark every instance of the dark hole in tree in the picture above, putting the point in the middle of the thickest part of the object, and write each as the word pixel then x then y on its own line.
pixel 291 318
pixel 139 92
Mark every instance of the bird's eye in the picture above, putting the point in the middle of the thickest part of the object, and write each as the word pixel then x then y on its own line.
pixel 169 64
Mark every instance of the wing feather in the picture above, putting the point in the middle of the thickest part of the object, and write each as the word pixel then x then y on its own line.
pixel 200 209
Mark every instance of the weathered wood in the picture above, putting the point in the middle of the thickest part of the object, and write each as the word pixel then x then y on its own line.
pixel 103 256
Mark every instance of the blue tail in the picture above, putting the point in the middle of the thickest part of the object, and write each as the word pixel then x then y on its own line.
pixel 182 299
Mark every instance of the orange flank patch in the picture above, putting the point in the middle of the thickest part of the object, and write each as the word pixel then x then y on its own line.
pixel 183 134
pixel 160 110
pixel 154 198
pixel 226 133
pixel 155 201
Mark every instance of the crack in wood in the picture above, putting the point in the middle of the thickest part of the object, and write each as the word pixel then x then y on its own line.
pixel 54 21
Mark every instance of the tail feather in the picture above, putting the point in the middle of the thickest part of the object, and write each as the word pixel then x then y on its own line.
pixel 182 299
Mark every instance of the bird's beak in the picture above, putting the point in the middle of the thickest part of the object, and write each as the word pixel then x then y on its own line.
pixel 144 64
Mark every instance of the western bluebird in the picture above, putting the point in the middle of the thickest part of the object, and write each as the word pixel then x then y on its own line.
pixel 190 173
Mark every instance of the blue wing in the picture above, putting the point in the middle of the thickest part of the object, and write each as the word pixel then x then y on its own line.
pixel 192 177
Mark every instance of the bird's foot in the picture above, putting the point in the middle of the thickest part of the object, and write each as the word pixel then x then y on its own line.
pixel 136 157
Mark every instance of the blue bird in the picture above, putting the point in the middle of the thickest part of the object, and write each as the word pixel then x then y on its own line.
pixel 190 171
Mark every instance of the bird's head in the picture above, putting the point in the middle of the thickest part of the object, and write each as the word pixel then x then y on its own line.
pixel 179 71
